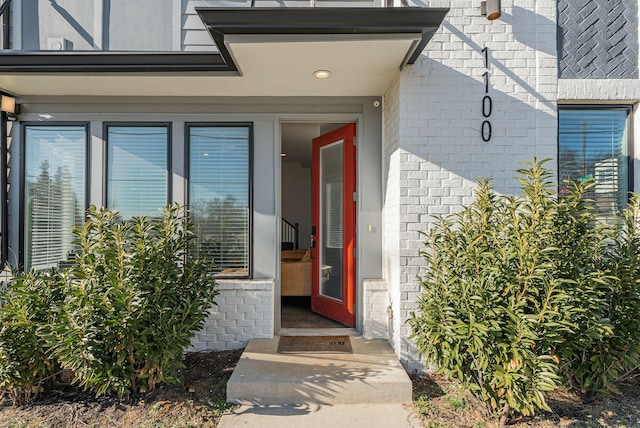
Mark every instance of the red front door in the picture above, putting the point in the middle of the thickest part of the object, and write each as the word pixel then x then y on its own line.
pixel 334 221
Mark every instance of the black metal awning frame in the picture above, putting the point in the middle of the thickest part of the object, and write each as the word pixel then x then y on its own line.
pixel 223 23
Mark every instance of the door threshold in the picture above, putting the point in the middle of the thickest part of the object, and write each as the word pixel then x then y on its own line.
pixel 346 331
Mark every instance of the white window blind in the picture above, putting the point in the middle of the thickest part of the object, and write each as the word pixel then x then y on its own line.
pixel 219 195
pixel 137 175
pixel 54 192
pixel 593 144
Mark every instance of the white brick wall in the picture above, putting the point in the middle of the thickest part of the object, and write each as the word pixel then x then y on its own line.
pixel 439 152
pixel 376 313
pixel 599 90
pixel 244 311
pixel 391 205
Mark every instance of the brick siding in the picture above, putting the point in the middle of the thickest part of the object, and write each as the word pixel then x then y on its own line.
pixel 244 311
pixel 433 150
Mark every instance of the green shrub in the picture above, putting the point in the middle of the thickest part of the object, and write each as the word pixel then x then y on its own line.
pixel 25 367
pixel 578 260
pixel 521 293
pixel 490 309
pixel 604 344
pixel 134 304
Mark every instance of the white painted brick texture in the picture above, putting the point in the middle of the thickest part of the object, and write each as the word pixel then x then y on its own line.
pixel 376 314
pixel 436 155
pixel 244 311
pixel 391 223
pixel 599 90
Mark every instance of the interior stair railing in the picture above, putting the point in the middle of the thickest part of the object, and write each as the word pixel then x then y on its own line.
pixel 289 235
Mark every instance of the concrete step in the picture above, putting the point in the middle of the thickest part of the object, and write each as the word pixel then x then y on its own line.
pixel 313 416
pixel 371 374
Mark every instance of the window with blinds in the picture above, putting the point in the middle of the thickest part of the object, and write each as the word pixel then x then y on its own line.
pixel 55 182
pixel 219 195
pixel 593 144
pixel 137 173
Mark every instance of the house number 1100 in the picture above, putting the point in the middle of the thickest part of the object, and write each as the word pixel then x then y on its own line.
pixel 487 102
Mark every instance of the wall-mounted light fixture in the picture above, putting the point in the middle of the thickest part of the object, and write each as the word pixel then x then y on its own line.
pixel 9 110
pixel 491 9
pixel 8 105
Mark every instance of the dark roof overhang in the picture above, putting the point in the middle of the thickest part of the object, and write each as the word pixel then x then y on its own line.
pixel 273 49
pixel 323 24
pixel 110 62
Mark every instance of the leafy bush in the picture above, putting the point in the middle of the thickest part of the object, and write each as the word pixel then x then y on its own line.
pixel 521 292
pixel 489 309
pixel 25 367
pixel 604 344
pixel 134 303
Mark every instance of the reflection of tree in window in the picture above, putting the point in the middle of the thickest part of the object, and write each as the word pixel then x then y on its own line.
pixel 54 178
pixel 219 195
pixel 54 210
pixel 593 146
pixel 220 228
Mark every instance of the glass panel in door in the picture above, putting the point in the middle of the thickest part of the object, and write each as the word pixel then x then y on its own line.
pixel 331 219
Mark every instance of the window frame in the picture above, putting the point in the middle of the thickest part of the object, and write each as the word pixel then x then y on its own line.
pixel 23 173
pixel 105 155
pixel 629 108
pixel 187 181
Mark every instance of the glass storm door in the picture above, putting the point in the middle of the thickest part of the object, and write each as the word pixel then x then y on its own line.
pixel 334 220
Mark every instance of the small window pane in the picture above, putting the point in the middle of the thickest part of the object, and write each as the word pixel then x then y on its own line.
pixel 219 196
pixel 54 192
pixel 593 145
pixel 137 170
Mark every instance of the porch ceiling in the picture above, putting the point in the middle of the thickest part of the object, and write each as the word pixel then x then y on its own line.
pixel 262 52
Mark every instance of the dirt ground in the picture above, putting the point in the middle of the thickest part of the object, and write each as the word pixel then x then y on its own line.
pixel 441 404
pixel 200 400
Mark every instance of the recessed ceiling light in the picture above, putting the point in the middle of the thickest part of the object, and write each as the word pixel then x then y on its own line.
pixel 322 74
pixel 283 155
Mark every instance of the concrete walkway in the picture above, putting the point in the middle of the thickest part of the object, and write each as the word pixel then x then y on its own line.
pixel 367 388
pixel 314 416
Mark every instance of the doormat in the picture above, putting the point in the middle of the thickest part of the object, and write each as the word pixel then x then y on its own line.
pixel 294 344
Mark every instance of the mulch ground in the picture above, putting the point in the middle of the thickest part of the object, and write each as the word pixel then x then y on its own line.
pixel 198 401
pixel 442 404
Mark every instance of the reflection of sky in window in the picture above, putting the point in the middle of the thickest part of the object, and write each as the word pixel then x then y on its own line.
pixel 219 161
pixel 137 170
pixel 60 147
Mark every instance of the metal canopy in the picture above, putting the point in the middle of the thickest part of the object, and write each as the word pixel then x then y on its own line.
pixel 322 24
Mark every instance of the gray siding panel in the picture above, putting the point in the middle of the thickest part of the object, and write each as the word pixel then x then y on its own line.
pixel 131 29
pixel 598 39
pixel 43 20
pixel 196 38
